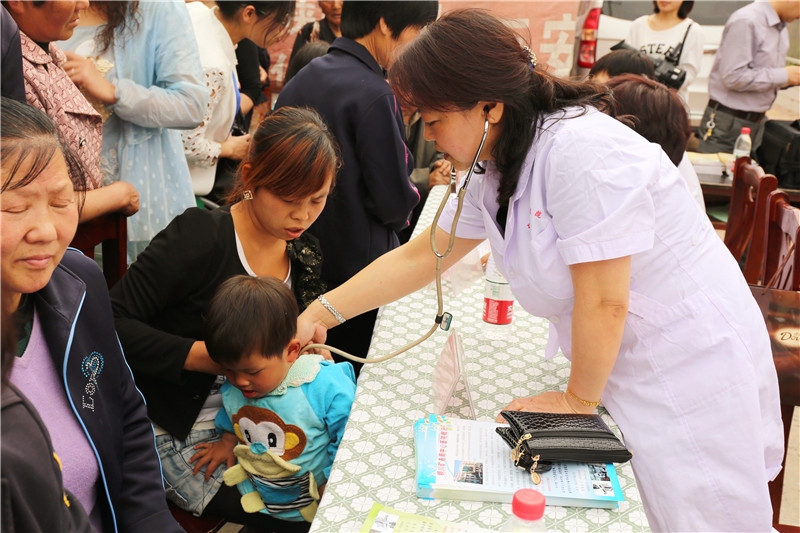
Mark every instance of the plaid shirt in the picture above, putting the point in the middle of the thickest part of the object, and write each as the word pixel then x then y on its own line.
pixel 48 88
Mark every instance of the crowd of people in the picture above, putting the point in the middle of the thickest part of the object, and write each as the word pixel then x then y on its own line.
pixel 186 383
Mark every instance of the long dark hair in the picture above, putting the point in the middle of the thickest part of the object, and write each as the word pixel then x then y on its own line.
pixel 25 133
pixel 119 14
pixel 468 56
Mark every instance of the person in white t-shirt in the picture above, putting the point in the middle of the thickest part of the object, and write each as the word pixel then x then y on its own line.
pixel 666 28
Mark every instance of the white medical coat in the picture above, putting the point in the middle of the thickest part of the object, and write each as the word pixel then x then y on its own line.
pixel 694 389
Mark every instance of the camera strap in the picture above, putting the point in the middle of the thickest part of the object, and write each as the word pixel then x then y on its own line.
pixel 680 48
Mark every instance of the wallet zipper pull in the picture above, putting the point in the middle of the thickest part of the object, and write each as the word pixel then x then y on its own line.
pixel 516 453
pixel 535 477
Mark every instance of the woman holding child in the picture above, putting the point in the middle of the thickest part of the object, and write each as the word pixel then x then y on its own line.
pixel 160 303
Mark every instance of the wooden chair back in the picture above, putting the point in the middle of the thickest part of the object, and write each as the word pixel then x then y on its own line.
pixel 780 269
pixel 111 231
pixel 749 196
pixel 781 237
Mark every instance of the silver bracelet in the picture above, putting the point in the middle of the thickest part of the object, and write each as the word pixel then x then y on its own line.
pixel 327 305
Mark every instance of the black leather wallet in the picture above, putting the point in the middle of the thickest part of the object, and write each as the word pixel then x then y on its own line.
pixel 537 438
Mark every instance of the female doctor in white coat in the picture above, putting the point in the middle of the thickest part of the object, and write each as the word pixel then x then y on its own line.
pixel 595 229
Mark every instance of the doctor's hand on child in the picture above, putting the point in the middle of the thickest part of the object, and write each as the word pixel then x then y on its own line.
pixel 213 454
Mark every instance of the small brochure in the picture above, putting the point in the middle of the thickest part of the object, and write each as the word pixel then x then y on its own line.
pixel 382 519
pixel 467 460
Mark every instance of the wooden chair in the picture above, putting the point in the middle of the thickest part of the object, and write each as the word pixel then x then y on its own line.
pixel 111 231
pixel 777 237
pixel 749 197
pixel 780 235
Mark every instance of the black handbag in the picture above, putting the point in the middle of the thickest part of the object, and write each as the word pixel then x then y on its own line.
pixel 539 439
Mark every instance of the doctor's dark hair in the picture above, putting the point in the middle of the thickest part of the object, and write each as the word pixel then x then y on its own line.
pixel 468 56
pixel 683 11
pixel 653 111
pixel 292 153
pixel 359 17
pixel 249 315
pixel 29 137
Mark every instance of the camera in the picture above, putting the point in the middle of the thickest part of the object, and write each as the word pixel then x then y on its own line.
pixel 666 68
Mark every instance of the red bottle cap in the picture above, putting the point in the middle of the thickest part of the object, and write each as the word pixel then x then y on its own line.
pixel 746 131
pixel 528 504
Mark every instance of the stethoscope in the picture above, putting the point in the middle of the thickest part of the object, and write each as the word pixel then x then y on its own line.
pixel 442 319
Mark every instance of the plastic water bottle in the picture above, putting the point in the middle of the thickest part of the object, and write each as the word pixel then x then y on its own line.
pixel 498 302
pixel 743 144
pixel 527 512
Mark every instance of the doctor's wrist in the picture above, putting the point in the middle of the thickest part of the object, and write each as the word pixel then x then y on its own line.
pixel 327 313
pixel 579 405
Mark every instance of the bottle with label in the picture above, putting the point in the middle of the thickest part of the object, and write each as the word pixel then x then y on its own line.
pixel 743 145
pixel 498 302
pixel 527 512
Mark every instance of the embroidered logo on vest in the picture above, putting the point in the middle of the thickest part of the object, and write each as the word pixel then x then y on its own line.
pixel 91 366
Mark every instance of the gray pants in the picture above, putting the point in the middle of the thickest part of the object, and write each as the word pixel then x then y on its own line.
pixel 726 130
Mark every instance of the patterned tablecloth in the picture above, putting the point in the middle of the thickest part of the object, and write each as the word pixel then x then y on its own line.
pixel 375 462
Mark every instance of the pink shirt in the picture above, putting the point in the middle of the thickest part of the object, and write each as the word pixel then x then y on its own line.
pixel 48 88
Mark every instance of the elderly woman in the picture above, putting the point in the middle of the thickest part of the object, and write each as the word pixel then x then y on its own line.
pixel 69 362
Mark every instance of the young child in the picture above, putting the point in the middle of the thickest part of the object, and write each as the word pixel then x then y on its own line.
pixel 287 411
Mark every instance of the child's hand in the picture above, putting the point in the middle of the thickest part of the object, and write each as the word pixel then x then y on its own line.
pixel 213 454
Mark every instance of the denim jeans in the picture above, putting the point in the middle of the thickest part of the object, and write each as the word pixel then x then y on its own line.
pixel 188 491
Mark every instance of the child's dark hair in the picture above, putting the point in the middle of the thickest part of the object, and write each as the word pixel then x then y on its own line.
pixel 249 314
